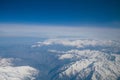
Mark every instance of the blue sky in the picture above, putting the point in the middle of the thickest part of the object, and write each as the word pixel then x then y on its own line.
pixel 94 19
pixel 61 12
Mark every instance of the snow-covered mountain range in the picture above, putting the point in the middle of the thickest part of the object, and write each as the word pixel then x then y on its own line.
pixel 86 59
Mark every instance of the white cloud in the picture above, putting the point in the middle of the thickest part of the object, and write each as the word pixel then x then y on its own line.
pixel 81 43
pixel 10 72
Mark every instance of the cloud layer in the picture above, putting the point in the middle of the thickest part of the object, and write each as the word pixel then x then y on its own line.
pixel 82 43
pixel 42 31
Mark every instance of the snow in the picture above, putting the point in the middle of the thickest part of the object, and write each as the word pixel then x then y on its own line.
pixel 96 61
pixel 66 56
pixel 10 72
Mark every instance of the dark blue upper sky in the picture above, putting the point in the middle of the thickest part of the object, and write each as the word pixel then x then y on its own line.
pixel 60 12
